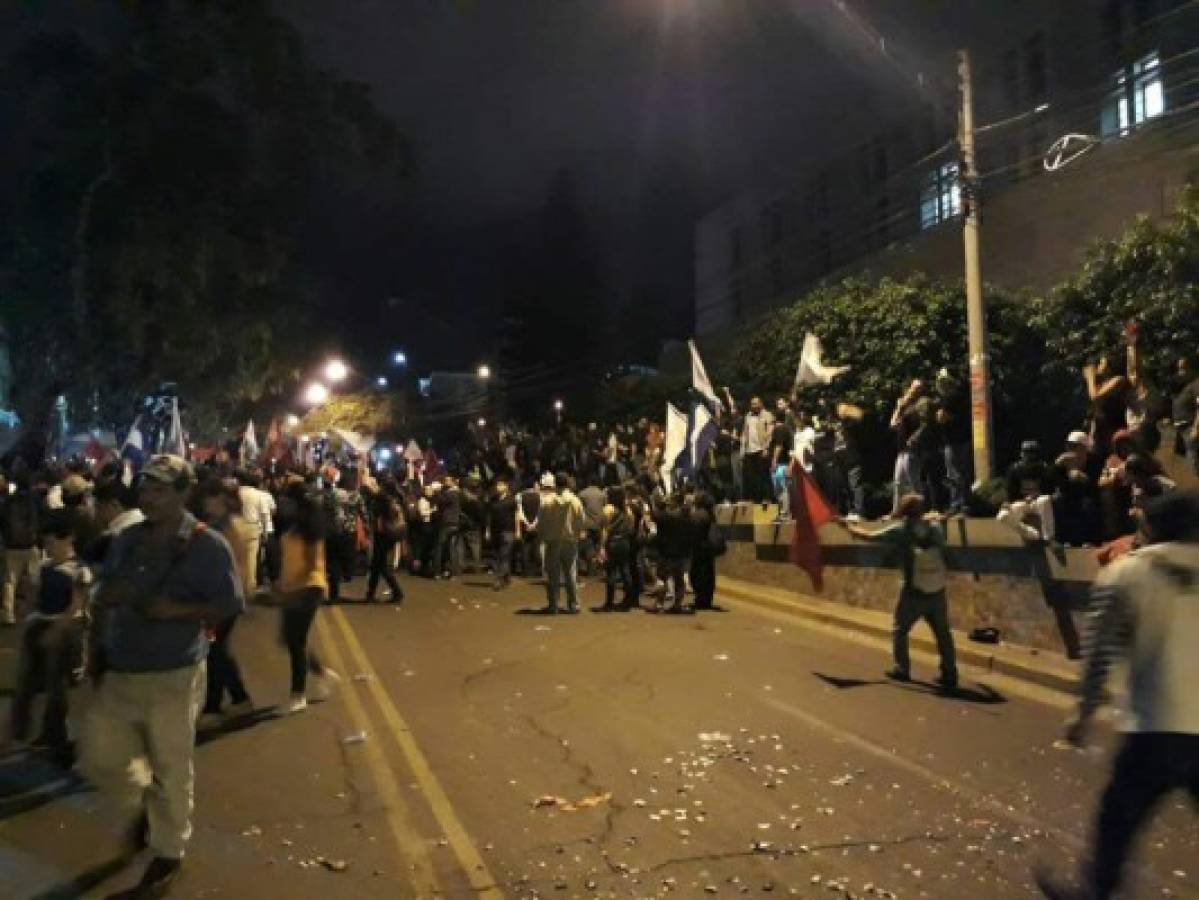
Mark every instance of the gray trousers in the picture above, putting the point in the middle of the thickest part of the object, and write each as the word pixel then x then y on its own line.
pixel 561 560
pixel 139 736
pixel 934 609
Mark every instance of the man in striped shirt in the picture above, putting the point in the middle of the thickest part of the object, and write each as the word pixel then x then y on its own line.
pixel 1146 609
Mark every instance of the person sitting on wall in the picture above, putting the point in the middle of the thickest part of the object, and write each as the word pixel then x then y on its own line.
pixel 1029 509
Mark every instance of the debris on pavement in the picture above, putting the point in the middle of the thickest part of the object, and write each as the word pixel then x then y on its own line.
pixel 358 737
pixel 562 804
pixel 333 865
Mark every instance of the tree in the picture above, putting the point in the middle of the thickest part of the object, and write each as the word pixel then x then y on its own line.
pixel 157 236
pixel 1148 275
pixel 373 413
pixel 891 332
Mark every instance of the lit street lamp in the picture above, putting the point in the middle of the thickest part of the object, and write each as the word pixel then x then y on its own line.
pixel 482 423
pixel 381 381
pixel 316 394
pixel 336 370
pixel 484 372
pixel 558 406
pixel 399 358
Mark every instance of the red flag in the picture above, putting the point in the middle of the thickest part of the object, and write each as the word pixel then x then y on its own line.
pixel 809 511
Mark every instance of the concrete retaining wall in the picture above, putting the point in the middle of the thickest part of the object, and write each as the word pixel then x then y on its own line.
pixel 1033 594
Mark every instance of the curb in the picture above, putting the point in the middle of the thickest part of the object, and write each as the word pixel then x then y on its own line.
pixel 967 652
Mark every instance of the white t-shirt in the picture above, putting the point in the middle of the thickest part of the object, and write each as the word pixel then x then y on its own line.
pixel 257 508
pixel 803 448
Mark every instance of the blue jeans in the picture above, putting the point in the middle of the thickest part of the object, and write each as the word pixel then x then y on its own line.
pixel 957 475
pixel 907 476
pixel 782 490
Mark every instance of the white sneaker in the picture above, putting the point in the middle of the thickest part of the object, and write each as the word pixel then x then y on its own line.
pixel 298 703
pixel 322 688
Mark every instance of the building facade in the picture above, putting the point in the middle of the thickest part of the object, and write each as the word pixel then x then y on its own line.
pixel 1119 76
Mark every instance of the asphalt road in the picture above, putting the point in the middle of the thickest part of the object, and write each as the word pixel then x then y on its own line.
pixel 475 749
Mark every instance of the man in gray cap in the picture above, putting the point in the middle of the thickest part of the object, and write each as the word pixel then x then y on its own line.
pixel 162 581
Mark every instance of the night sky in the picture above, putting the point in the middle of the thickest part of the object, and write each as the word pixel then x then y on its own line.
pixel 658 108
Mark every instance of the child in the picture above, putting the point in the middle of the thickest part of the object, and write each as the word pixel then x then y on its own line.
pixel 50 645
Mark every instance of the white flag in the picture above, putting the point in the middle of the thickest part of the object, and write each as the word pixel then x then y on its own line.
pixel 812 369
pixel 676 441
pixel 175 442
pixel 699 376
pixel 249 443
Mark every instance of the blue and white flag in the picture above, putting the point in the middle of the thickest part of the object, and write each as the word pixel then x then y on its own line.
pixel 699 377
pixel 676 442
pixel 701 434
pixel 133 450
pixel 174 440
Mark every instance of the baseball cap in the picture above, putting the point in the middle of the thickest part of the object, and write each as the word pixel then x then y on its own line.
pixel 1078 437
pixel 74 485
pixel 168 469
pixel 547 480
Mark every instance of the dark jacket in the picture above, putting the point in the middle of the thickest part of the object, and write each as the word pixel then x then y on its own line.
pixel 676 533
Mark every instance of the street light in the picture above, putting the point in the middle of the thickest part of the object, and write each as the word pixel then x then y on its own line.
pixel 484 371
pixel 336 370
pixel 558 404
pixel 482 423
pixel 316 394
pixel 400 358
pixel 381 381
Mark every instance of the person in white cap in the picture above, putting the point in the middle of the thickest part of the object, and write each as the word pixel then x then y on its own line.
pixel 560 526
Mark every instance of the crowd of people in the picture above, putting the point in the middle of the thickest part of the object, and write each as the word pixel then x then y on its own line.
pixel 140 581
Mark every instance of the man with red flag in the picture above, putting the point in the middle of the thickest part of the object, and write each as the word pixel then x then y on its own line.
pixel 809 511
pixel 921 545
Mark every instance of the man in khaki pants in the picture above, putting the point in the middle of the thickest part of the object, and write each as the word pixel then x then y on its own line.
pixel 163 579
pixel 22 558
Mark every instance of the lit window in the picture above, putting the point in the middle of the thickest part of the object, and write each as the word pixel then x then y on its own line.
pixel 941 197
pixel 1139 96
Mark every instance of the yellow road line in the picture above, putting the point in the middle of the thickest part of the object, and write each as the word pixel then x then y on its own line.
pixel 414 849
pixel 481 879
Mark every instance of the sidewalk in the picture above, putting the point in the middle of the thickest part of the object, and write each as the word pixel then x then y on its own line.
pixel 1035 666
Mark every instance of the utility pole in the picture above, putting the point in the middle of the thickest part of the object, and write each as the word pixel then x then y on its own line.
pixel 976 312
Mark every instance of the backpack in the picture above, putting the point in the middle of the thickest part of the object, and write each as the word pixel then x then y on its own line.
pixel 20 522
pixel 341 513
pixel 928 569
pixel 390 522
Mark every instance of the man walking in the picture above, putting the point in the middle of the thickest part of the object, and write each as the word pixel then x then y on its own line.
pixel 501 529
pixel 1146 610
pixel 922 550
pixel 164 578
pixel 559 526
